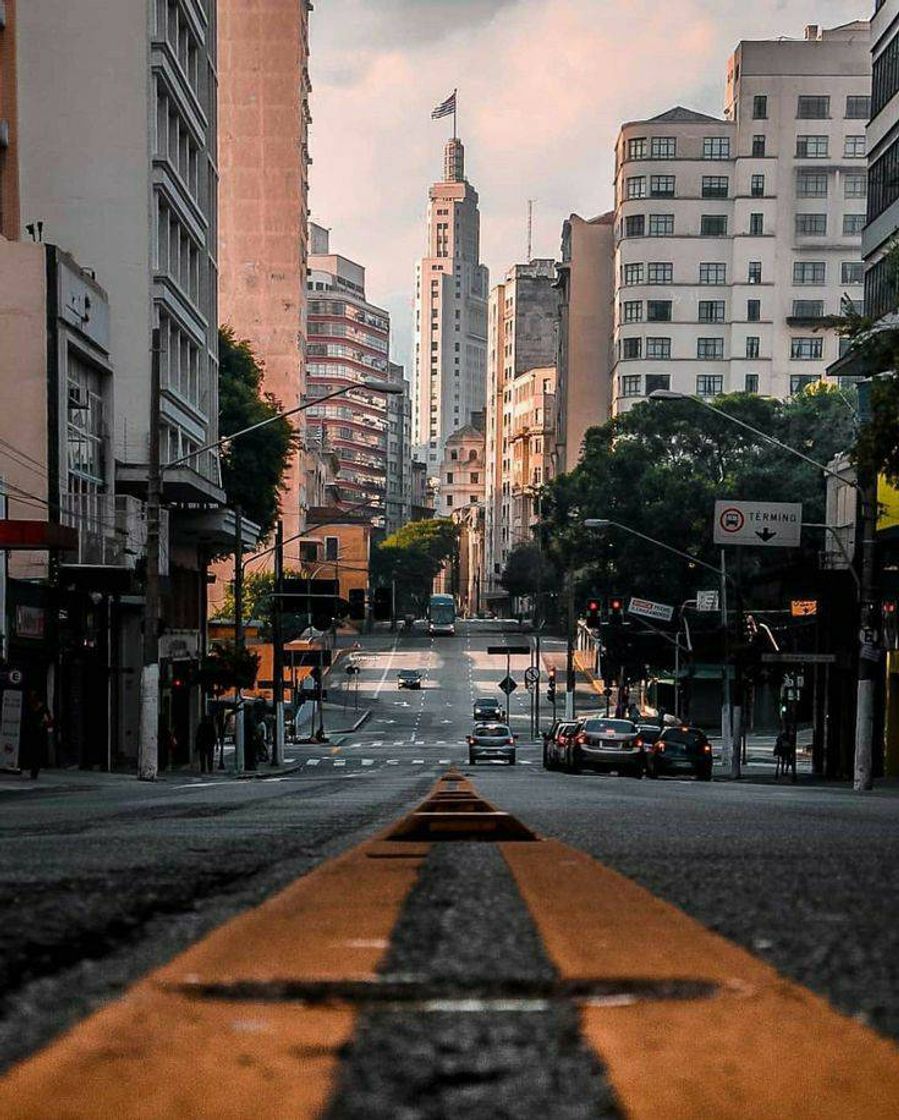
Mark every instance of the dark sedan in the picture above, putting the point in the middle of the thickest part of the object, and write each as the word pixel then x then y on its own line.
pixel 489 708
pixel 408 678
pixel 680 750
pixel 607 744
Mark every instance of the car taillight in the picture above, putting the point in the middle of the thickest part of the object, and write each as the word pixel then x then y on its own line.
pixel 707 748
pixel 469 740
pixel 582 738
pixel 510 742
pixel 638 742
pixel 659 747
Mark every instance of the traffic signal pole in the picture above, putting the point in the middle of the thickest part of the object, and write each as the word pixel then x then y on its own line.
pixel 569 663
pixel 278 649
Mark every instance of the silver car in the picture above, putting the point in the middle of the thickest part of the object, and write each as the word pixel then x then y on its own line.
pixel 491 741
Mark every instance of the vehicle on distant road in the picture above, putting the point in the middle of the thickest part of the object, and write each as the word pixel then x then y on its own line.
pixel 555 741
pixel 679 750
pixel 489 708
pixel 491 741
pixel 408 678
pixel 607 744
pixel 442 615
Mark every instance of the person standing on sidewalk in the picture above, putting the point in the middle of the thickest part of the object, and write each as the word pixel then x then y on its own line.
pixel 206 743
pixel 36 724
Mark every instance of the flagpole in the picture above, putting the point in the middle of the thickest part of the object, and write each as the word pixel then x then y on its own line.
pixel 455 102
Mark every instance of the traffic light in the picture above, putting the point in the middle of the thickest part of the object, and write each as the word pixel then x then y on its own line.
pixel 593 612
pixel 616 609
pixel 889 608
pixel 551 686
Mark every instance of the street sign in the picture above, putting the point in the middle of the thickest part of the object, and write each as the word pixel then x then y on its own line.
pixel 646 608
pixel 11 677
pixel 531 674
pixel 707 600
pixel 800 658
pixel 803 608
pixel 508 686
pixel 769 524
pixel 509 651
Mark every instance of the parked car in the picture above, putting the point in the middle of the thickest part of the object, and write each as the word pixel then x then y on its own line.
pixel 555 741
pixel 680 750
pixel 489 708
pixel 408 678
pixel 600 743
pixel 491 741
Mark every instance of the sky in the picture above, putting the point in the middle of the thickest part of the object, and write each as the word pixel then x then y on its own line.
pixel 543 88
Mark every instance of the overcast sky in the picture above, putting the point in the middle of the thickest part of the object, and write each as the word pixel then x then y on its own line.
pixel 543 86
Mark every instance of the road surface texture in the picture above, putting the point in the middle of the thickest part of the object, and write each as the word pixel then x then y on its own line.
pixel 104 879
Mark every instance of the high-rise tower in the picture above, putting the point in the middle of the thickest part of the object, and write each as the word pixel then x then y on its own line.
pixel 451 285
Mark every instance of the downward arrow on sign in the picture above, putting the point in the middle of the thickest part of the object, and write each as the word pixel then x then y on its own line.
pixel 766 534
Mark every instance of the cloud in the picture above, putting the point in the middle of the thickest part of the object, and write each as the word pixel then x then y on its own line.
pixel 543 88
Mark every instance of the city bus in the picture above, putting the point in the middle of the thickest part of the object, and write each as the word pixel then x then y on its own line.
pixel 442 615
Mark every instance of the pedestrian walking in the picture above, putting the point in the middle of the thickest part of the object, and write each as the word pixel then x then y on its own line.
pixel 206 743
pixel 36 724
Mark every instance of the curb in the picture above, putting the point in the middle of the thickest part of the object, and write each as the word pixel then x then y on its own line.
pixel 349 730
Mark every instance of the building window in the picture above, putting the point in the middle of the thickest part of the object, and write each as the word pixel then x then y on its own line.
pixel 449 478
pixel 799 382
pixel 753 310
pixel 656 381
pixel 636 148
pixel 757 186
pixel 813 108
pixel 855 185
pixel 854 147
pixel 632 274
pixel 332 548
pixel 658 349
pixel 808 308
pixel 711 311
pixel 710 348
pixel 449 500
pixel 632 311
pixel 631 348
pixel 709 384
pixel 713 225
pixel 661 225
pixel 713 274
pixel 812 147
pixel 755 272
pixel 811 225
pixel 885 79
pixel 806 349
pixel 635 225
pixel 716 147
pixel 660 272
pixel 853 224
pixel 661 186
pixel 881 288
pixel 658 310
pixel 631 385
pixel 760 107
pixel 475 478
pixel 635 186
pixel 715 186
pixel 884 181
pixel 756 225
pixel 663 147
pixel 858 107
pixel 758 146
pixel 751 384
pixel 852 272
pixel 809 272
pixel 752 346
pixel 811 184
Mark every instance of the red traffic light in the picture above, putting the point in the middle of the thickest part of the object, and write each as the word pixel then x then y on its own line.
pixel 615 604
pixel 889 606
pixel 594 606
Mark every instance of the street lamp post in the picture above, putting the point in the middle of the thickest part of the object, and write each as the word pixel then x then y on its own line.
pixel 148 742
pixel 866 488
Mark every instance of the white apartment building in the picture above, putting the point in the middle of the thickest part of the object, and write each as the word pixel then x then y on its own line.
pixel 737 238
pixel 522 343
pixel 450 356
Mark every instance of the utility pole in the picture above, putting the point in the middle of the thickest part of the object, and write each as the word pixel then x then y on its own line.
pixel 239 723
pixel 730 755
pixel 869 636
pixel 148 743
pixel 278 648
pixel 569 664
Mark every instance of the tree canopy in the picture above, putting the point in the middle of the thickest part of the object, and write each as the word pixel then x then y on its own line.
pixel 659 468
pixel 527 571
pixel 253 466
pixel 413 556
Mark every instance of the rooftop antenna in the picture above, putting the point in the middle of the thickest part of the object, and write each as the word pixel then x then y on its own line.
pixel 531 202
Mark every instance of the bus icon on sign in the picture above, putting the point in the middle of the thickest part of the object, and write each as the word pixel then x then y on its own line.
pixel 732 520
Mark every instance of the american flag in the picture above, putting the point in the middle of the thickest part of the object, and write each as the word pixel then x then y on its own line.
pixel 445 107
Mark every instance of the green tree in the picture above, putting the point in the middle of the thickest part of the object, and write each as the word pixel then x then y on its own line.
pixel 527 571
pixel 253 466
pixel 257 596
pixel 413 556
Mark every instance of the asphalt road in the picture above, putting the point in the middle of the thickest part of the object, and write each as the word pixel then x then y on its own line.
pixel 102 877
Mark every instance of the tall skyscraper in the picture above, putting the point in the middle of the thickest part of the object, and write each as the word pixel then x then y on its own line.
pixel 451 285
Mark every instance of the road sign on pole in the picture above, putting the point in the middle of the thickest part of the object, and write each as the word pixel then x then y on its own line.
pixel 646 608
pixel 767 524
pixel 508 685
pixel 531 675
pixel 707 600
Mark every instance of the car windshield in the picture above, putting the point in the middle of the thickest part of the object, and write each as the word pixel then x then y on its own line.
pixel 486 702
pixel 491 730
pixel 409 673
pixel 604 726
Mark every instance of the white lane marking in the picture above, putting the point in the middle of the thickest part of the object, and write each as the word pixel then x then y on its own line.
pixel 368 762
pixel 387 668
pixel 191 785
pixel 444 761
pixel 378 743
pixel 526 761
pixel 418 762
pixel 340 762
pixel 313 761
pixel 393 762
pixel 398 742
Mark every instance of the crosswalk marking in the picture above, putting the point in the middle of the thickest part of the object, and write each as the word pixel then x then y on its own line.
pixel 393 762
pixel 368 762
pixel 313 761
pixel 444 761
pixel 418 762
pixel 340 762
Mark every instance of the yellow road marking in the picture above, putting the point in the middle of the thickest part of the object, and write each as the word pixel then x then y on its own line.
pixel 764 1048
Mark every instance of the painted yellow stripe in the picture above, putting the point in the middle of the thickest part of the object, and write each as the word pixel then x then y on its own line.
pixel 764 1048
pixel 157 1054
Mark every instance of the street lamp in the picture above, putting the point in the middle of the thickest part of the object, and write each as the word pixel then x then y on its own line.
pixel 727 719
pixel 867 497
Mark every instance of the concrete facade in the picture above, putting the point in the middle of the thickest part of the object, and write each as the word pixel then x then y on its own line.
pixel 450 353
pixel 737 238
pixel 263 161
pixel 9 126
pixel 399 452
pixel 586 319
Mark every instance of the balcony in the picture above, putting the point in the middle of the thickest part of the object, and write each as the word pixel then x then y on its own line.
pixel 112 531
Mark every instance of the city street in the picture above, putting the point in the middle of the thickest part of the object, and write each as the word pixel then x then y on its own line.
pixel 105 878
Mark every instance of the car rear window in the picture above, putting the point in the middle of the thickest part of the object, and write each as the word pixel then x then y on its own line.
pixel 619 726
pixel 688 738
pixel 491 729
